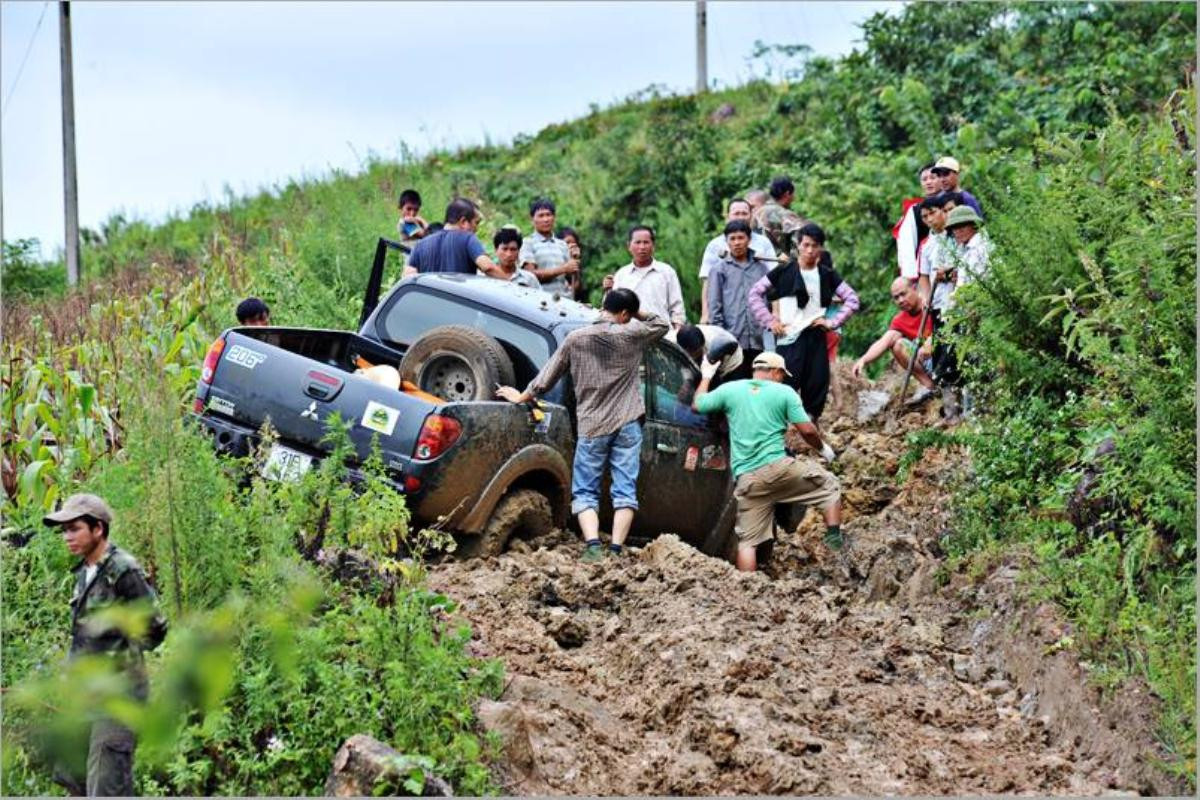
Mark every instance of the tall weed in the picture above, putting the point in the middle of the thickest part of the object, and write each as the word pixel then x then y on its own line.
pixel 1080 343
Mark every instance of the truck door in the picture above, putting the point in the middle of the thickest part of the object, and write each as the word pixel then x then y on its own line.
pixel 685 476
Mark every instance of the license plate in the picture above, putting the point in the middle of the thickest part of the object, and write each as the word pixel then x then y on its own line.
pixel 285 464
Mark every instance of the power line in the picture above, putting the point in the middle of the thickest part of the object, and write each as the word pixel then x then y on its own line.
pixel 28 50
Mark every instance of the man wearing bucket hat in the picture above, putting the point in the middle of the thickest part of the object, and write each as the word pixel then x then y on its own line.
pixel 947 170
pixel 972 246
pixel 970 251
pixel 105 576
pixel 759 412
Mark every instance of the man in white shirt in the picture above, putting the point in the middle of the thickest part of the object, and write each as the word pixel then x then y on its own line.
pixel 935 259
pixel 760 245
pixel 973 246
pixel 969 253
pixel 908 230
pixel 654 282
pixel 508 247
pixel 711 342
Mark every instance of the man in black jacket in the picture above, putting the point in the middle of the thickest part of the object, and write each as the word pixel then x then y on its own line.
pixel 809 294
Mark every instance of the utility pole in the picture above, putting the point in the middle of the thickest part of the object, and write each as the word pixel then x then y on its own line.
pixel 70 193
pixel 701 48
pixel 2 253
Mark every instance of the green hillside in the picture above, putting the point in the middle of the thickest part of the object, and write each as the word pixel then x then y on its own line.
pixel 1076 127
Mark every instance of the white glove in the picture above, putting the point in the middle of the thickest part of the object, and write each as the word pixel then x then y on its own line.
pixel 827 452
pixel 708 369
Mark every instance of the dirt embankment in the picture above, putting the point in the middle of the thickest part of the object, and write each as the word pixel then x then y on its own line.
pixel 668 672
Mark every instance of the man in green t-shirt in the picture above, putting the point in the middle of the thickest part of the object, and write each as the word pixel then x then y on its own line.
pixel 760 411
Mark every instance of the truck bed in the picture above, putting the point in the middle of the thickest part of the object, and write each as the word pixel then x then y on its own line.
pixel 281 374
pixel 297 378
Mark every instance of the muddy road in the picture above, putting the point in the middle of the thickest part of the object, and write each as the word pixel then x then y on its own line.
pixel 668 672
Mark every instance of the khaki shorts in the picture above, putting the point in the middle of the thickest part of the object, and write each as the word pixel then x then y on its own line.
pixel 788 480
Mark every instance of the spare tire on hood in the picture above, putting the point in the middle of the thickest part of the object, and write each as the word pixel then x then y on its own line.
pixel 457 363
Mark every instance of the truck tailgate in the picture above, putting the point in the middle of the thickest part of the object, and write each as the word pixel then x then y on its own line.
pixel 255 381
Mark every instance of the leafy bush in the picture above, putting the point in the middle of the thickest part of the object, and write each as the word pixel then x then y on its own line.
pixel 24 273
pixel 1080 342
pixel 273 660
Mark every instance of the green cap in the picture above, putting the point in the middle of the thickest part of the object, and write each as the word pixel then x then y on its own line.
pixel 961 215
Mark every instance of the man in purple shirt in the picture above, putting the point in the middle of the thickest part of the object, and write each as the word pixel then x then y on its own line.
pixel 947 169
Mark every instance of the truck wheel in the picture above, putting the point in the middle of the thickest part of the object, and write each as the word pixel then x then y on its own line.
pixel 521 513
pixel 457 363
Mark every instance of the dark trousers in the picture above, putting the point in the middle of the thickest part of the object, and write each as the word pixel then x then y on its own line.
pixel 109 763
pixel 945 363
pixel 745 370
pixel 807 359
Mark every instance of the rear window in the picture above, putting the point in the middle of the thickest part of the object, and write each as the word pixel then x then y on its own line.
pixel 411 314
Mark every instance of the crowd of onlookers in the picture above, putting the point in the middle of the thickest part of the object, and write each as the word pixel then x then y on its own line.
pixel 772 309
pixel 767 280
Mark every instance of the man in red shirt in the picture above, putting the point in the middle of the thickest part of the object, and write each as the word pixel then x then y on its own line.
pixel 902 336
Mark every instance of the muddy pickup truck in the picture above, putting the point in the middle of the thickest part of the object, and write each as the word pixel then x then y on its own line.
pixel 484 469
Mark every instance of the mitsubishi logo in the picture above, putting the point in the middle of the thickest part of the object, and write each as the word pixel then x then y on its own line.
pixel 310 412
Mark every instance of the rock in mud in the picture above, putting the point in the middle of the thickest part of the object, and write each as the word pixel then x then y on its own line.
pixel 870 403
pixel 364 764
pixel 562 626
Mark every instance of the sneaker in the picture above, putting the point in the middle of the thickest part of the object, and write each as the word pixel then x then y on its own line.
pixel 593 554
pixel 919 396
pixel 834 541
pixel 950 409
pixel 968 403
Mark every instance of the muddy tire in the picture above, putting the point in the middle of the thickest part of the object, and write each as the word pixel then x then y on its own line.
pixel 521 513
pixel 457 363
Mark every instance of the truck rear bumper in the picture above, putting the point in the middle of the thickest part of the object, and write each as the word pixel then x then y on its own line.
pixel 228 437
pixel 239 441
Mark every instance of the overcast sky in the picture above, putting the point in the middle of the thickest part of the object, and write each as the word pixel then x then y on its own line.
pixel 175 101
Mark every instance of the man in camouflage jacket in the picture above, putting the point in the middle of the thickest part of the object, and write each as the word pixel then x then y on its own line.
pixel 105 576
pixel 775 220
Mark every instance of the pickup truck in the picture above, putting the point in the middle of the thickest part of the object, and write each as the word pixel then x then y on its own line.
pixel 485 469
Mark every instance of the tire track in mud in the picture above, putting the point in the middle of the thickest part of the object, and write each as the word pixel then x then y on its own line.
pixel 668 672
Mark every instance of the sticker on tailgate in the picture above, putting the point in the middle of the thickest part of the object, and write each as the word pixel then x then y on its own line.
pixel 380 418
pixel 221 405
pixel 245 357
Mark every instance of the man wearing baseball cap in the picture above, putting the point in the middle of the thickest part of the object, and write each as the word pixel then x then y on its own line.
pixel 105 575
pixel 759 412
pixel 947 170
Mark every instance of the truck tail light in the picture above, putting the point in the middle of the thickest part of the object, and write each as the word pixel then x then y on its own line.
pixel 436 436
pixel 210 360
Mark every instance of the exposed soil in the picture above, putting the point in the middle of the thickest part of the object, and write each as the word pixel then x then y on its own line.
pixel 668 672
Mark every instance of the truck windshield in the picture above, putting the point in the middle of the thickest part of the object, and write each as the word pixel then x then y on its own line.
pixel 413 313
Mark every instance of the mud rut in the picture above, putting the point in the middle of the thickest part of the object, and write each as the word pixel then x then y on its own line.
pixel 668 672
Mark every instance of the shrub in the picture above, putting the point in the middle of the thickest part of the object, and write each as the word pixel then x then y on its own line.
pixel 1080 343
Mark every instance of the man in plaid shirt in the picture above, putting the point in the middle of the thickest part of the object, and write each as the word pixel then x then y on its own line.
pixel 603 359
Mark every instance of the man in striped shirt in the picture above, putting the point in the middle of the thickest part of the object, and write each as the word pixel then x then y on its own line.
pixel 547 256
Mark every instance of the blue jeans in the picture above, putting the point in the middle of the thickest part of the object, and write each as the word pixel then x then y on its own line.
pixel 622 451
